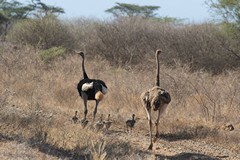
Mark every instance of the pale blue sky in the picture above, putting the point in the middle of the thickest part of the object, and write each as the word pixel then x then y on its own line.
pixel 193 10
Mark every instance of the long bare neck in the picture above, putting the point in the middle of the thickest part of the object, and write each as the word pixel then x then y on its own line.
pixel 85 76
pixel 157 83
pixel 133 117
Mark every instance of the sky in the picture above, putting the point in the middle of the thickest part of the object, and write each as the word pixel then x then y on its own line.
pixel 191 10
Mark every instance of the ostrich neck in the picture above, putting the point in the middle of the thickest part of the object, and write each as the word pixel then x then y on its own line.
pixel 157 72
pixel 85 76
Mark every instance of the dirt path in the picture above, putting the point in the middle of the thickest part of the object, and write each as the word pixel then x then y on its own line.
pixel 164 148
pixel 168 147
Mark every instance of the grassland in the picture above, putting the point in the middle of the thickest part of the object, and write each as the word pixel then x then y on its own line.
pixel 37 101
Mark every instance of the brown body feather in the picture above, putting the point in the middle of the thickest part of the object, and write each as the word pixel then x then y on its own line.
pixel 155 99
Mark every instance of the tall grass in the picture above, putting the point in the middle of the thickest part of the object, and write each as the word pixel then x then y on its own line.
pixel 37 102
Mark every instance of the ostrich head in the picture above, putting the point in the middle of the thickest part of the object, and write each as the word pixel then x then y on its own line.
pixel 81 54
pixel 133 116
pixel 158 51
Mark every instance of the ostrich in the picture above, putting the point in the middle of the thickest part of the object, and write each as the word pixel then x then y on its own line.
pixel 155 99
pixel 75 118
pixel 99 125
pixel 107 123
pixel 130 123
pixel 90 89
pixel 84 123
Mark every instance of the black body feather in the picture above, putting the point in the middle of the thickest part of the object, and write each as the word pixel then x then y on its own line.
pixel 97 86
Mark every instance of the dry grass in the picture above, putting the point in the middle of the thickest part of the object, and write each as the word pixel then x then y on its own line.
pixel 37 102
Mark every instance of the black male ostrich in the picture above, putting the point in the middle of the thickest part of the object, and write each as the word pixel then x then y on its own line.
pixel 90 89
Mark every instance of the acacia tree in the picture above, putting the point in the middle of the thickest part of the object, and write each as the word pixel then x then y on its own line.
pixel 17 10
pixel 42 10
pixel 14 10
pixel 229 13
pixel 124 9
pixel 227 10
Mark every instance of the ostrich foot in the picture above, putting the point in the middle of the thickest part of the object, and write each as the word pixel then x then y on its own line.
pixel 150 146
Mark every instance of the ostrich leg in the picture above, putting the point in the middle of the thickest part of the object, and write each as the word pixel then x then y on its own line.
pixel 95 110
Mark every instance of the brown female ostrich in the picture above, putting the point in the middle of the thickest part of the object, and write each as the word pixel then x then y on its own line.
pixel 90 89
pixel 155 99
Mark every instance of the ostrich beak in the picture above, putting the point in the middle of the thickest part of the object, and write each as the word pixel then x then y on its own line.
pixel 99 96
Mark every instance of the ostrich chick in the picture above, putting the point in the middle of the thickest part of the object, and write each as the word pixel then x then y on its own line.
pixel 75 118
pixel 107 123
pixel 84 123
pixel 99 125
pixel 130 123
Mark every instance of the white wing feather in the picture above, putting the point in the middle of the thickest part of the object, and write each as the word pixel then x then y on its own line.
pixel 87 86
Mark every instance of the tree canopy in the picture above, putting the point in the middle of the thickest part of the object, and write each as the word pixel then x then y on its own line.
pixel 229 13
pixel 10 10
pixel 124 9
pixel 13 10
pixel 227 10
pixel 45 10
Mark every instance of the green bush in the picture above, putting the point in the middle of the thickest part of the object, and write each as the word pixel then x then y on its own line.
pixel 41 33
pixel 51 53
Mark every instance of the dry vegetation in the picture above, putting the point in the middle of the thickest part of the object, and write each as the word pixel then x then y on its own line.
pixel 37 99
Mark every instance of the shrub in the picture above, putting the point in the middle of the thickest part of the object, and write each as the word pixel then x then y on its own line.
pixel 41 33
pixel 51 53
pixel 131 42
